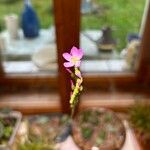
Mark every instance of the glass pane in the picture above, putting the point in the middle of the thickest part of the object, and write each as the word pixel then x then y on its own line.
pixel 110 34
pixel 27 38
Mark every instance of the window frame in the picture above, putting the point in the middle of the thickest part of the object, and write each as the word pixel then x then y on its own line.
pixel 67 22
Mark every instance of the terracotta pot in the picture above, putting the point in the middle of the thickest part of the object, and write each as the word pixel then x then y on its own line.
pixel 106 125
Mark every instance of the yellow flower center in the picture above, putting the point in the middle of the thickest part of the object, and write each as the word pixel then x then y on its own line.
pixel 74 59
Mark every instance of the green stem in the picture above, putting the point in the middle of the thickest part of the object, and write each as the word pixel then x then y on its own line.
pixel 76 90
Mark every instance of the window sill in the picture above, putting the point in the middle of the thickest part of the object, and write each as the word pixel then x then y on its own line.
pixel 36 102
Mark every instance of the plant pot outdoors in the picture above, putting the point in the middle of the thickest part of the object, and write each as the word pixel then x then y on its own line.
pixel 98 127
pixel 9 124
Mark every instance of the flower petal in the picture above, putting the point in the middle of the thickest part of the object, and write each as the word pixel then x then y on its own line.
pixel 77 64
pixel 74 51
pixel 80 53
pixel 67 56
pixel 68 64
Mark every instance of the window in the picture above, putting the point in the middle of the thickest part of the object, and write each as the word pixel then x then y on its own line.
pixel 122 80
pixel 110 35
pixel 23 51
pixel 104 69
pixel 67 21
pixel 24 61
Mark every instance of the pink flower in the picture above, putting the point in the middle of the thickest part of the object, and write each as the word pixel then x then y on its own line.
pixel 73 58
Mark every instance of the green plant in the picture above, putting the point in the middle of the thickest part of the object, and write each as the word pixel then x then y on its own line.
pixel 37 143
pixel 98 127
pixel 72 65
pixel 8 1
pixel 140 117
pixel 6 128
pixel 35 146
pixel 108 118
pixel 101 137
pixel 140 120
pixel 90 117
pixel 87 132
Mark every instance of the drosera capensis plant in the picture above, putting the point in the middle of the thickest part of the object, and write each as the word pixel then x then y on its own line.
pixel 73 67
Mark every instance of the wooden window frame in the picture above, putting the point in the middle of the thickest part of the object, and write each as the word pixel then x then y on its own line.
pixel 67 19
pixel 67 22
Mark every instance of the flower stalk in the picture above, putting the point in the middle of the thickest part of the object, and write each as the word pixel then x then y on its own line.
pixel 74 61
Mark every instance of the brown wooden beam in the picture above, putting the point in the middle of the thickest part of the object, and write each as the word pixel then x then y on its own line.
pixel 144 60
pixel 67 23
pixel 105 80
pixel 31 103
pixel 1 67
pixel 35 103
pixel 31 81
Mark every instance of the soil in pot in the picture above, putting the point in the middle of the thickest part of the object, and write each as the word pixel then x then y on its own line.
pixel 100 128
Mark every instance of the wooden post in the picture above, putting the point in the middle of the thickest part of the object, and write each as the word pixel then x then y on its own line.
pixel 144 17
pixel 67 23
pixel 1 67
pixel 1 71
pixel 144 61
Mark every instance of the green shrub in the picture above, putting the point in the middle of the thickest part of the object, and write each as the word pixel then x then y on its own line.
pixel 140 117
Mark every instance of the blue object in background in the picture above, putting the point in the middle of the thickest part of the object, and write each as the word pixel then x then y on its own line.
pixel 133 36
pixel 30 22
